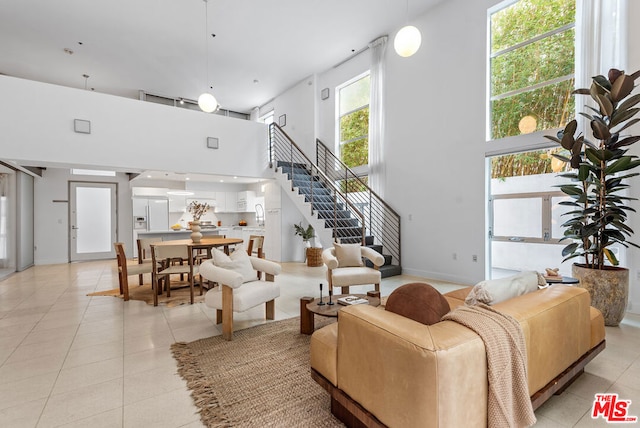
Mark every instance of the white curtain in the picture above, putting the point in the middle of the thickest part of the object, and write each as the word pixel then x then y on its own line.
pixel 601 36
pixel 376 116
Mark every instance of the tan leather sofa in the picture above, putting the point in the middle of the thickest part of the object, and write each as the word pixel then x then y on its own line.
pixel 383 369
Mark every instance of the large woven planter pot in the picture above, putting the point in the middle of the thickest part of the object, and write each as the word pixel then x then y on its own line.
pixel 609 290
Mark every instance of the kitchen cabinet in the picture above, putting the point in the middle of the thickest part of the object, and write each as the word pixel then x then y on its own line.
pixel 177 204
pixel 221 202
pixel 231 199
pixel 246 201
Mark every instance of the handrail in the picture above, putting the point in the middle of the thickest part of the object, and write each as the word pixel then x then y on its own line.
pixel 383 221
pixel 296 156
pixel 342 164
pixel 376 218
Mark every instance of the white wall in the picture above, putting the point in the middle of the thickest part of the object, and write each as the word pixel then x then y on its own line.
pixel 51 234
pixel 326 130
pixel 633 254
pixel 298 104
pixel 37 126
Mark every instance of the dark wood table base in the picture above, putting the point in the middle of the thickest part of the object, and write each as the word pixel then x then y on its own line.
pixel 308 309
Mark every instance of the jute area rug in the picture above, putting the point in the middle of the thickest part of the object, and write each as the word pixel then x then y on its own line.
pixel 260 379
pixel 179 294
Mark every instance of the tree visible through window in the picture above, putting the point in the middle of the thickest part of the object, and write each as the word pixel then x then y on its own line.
pixel 354 127
pixel 532 66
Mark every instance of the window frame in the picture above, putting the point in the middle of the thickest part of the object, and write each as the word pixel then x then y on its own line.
pixel 360 170
pixel 531 140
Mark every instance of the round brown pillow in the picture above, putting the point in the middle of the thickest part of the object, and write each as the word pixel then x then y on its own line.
pixel 418 301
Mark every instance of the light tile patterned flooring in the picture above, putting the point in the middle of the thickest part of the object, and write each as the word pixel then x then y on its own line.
pixel 70 360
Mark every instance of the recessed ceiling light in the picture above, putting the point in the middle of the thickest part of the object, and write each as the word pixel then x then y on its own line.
pixel 148 176
pixel 68 51
pixel 235 176
pixel 187 178
pixel 221 181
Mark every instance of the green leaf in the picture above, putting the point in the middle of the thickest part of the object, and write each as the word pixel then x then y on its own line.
pixel 552 138
pixel 569 249
pixel 600 129
pixel 619 117
pixel 602 83
pixel 629 102
pixel 606 106
pixel 627 141
pixel 560 157
pixel 621 88
pixel 628 124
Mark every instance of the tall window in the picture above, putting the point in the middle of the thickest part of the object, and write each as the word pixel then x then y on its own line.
pixel 353 131
pixel 532 62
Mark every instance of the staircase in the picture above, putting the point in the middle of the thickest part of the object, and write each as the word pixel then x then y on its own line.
pixel 338 204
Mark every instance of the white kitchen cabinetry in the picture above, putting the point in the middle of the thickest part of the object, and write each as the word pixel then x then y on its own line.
pixel 273 222
pixel 221 202
pixel 177 204
pixel 247 201
pixel 231 199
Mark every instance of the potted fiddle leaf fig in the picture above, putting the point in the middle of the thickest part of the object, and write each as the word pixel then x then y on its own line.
pixel 599 206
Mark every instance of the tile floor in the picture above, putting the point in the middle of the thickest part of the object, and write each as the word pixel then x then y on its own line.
pixel 70 360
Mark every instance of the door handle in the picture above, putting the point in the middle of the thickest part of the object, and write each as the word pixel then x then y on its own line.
pixel 516 239
pixel 74 228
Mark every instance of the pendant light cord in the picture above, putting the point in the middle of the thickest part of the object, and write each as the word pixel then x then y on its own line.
pixel 206 38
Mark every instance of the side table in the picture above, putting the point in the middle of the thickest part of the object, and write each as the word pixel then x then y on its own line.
pixel 309 308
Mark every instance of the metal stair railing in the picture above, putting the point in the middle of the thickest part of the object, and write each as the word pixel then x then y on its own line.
pixel 284 151
pixel 381 221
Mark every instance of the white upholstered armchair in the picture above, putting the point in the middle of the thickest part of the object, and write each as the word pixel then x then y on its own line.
pixel 239 290
pixel 345 266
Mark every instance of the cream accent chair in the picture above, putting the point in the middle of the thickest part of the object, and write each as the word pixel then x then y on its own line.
pixel 125 270
pixel 344 277
pixel 234 295
pixel 144 251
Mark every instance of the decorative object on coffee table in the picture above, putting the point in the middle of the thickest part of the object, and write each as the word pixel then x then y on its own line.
pixel 309 306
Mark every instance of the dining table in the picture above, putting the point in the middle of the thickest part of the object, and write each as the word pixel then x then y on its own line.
pixel 205 243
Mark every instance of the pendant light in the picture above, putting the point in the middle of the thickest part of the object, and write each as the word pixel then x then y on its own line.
pixel 207 102
pixel 408 39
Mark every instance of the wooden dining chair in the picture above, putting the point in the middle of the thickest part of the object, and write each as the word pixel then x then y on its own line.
pixel 125 270
pixel 255 246
pixel 162 256
pixel 144 252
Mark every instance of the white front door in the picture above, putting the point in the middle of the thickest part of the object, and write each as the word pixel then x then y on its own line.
pixel 92 220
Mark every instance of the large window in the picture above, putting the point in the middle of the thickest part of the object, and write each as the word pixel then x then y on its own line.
pixel 532 62
pixel 353 130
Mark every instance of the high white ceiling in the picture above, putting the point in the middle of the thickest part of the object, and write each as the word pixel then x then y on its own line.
pixel 158 46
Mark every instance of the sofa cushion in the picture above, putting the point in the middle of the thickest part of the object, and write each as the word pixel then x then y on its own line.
pixel 419 302
pixel 494 291
pixel 348 255
pixel 238 262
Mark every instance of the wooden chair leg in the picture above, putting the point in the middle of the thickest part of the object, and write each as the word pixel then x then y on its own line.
pixel 345 290
pixel 191 287
pixel 125 288
pixel 167 284
pixel 270 309
pixel 218 316
pixel 141 279
pixel 227 312
pixel 154 289
pixel 377 287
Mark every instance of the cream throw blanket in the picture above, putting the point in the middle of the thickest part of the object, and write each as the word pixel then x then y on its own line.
pixel 509 404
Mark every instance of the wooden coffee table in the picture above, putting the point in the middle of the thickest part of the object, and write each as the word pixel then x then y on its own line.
pixel 309 307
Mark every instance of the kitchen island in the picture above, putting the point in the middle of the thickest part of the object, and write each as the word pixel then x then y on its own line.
pixel 171 235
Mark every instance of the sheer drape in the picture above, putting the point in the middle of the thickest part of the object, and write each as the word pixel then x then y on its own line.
pixel 600 44
pixel 376 116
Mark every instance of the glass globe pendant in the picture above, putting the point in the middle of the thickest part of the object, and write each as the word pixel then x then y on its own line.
pixel 407 41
